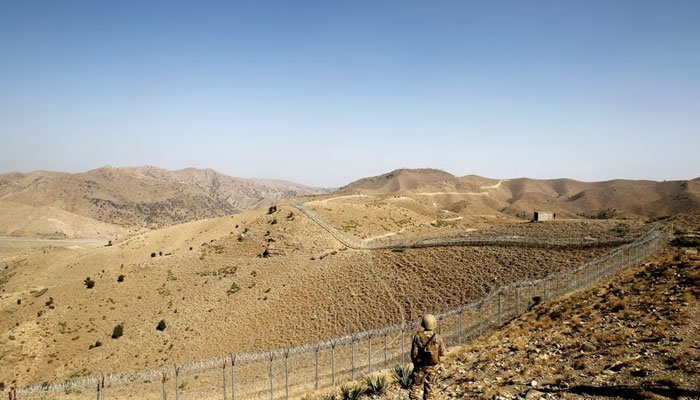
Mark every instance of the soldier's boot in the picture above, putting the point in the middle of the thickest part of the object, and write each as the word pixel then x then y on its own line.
pixel 417 386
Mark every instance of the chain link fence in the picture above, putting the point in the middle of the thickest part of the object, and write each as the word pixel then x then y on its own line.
pixel 398 242
pixel 293 372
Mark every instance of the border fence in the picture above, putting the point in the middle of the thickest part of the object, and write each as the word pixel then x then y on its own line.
pixel 292 372
pixel 396 242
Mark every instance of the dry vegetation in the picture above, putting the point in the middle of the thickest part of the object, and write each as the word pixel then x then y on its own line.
pixel 633 337
pixel 204 277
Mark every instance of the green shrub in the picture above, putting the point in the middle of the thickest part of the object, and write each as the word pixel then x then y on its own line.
pixel 234 288
pixel 153 255
pixel 376 384
pixel 89 283
pixel 120 278
pixel 686 241
pixel 351 393
pixel 118 331
pixel 161 325
pixel 402 376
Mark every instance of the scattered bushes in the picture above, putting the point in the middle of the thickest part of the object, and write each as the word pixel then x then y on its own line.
pixel 402 375
pixel 89 283
pixel 161 325
pixel 118 331
pixel 376 384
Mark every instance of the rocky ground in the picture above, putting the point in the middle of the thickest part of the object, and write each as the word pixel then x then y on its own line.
pixel 636 336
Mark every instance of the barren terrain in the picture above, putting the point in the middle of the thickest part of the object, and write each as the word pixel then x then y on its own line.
pixel 203 278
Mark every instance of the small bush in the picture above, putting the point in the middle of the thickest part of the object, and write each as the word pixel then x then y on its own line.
pixel 160 253
pixel 402 376
pixel 118 331
pixel 330 397
pixel 153 255
pixel 234 288
pixel 120 278
pixel 161 325
pixel 89 283
pixel 376 385
pixel 351 393
pixel 686 241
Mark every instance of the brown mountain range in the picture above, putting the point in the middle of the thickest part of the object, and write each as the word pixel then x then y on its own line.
pixel 140 197
pixel 473 194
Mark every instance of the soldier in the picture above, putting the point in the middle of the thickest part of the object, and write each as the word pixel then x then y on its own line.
pixel 426 352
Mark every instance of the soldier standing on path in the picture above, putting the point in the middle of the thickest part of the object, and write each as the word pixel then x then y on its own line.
pixel 426 351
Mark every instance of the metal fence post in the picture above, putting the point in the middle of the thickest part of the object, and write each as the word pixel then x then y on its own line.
pixel 233 377
pixel 98 390
pixel 352 358
pixel 177 379
pixel 165 394
pixel 102 386
pixel 481 318
pixel 272 384
pixel 403 352
pixel 369 354
pixel 286 373
pixel 385 352
pixel 316 374
pixel 500 321
pixel 223 383
pixel 333 363
pixel 459 328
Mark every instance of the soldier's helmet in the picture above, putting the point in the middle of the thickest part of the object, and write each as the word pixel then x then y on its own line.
pixel 429 322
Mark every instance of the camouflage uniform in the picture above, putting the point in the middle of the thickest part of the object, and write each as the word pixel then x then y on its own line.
pixel 424 376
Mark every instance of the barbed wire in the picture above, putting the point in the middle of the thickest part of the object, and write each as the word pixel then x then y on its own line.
pixel 657 231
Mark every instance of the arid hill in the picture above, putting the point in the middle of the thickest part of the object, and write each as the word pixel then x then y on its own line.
pixel 475 195
pixel 145 196
pixel 634 336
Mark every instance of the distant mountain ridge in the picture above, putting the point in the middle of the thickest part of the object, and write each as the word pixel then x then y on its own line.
pixel 473 194
pixel 150 197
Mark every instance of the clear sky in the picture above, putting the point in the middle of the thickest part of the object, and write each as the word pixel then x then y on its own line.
pixel 324 92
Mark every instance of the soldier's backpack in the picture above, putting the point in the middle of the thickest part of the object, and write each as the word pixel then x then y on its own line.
pixel 430 353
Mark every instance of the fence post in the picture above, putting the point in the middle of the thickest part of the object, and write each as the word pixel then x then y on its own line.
pixel 272 385
pixel 165 394
pixel 500 321
pixel 481 318
pixel 102 386
pixel 98 390
pixel 223 373
pixel 316 374
pixel 369 354
pixel 177 379
pixel 385 352
pixel 352 357
pixel 517 299
pixel 459 328
pixel 333 363
pixel 403 353
pixel 233 377
pixel 286 373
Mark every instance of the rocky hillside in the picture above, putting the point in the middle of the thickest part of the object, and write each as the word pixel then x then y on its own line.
pixel 144 196
pixel 636 336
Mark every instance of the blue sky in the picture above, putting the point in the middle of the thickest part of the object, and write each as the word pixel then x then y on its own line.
pixel 324 92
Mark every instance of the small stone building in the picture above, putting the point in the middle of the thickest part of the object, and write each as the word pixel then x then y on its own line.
pixel 541 216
